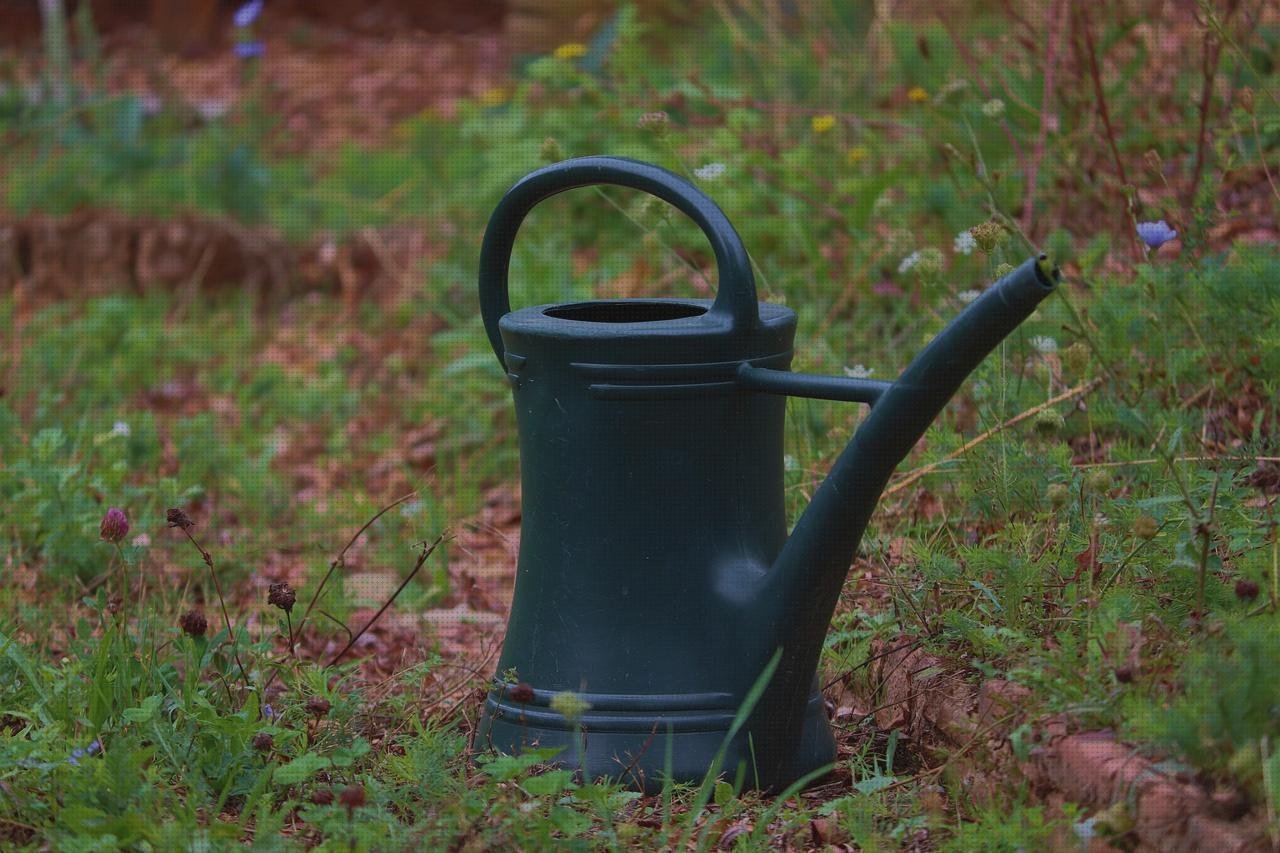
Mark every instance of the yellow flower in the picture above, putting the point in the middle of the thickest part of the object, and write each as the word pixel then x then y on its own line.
pixel 857 154
pixel 493 97
pixel 823 123
pixel 917 95
pixel 571 50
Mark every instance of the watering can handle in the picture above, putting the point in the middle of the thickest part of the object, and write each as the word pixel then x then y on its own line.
pixel 735 303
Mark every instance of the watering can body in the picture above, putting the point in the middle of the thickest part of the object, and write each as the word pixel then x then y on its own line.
pixel 656 582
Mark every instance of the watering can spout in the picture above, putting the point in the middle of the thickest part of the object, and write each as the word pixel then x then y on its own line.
pixel 799 594
pixel 809 572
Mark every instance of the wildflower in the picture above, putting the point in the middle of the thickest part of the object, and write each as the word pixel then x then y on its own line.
pixel 856 154
pixel 1003 270
pixel 114 603
pixel 917 95
pixel 993 108
pixel 263 742
pixel 193 623
pixel 656 121
pixel 964 243
pixel 927 265
pixel 710 172
pixel 1246 590
pixel 352 797
pixel 822 123
pixel 967 296
pixel 859 371
pixel 248 13
pixel 1156 234
pixel 570 50
pixel 178 518
pixel 1125 674
pixel 322 796
pixel 115 525
pixel 569 705
pixel 1044 344
pixel 281 595
pixel 493 97
pixel 251 49
pixel 522 693
pixel 268 713
pixel 1145 527
pixel 908 263
pixel 94 747
pixel 121 428
pixel 318 706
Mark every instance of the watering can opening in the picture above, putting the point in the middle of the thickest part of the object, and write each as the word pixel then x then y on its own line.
pixel 625 311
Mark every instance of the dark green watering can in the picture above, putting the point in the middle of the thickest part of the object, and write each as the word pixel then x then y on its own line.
pixel 656 581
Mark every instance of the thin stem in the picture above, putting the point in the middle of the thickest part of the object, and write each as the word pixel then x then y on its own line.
pixel 217 588
pixel 427 551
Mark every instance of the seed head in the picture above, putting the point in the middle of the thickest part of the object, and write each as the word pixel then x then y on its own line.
pixel 193 623
pixel 352 797
pixel 1048 421
pixel 1245 96
pixel 281 595
pixel 318 706
pixel 1246 590
pixel 988 235
pixel 1145 527
pixel 177 518
pixel 522 693
pixel 115 525
pixel 550 152
pixel 263 742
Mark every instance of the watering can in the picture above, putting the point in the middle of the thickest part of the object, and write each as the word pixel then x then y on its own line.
pixel 664 624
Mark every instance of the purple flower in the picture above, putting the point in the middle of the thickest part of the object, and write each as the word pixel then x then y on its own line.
pixel 268 712
pixel 1156 234
pixel 82 752
pixel 115 525
pixel 95 747
pixel 248 13
pixel 249 49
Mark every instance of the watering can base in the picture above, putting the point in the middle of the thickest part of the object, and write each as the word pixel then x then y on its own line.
pixel 639 749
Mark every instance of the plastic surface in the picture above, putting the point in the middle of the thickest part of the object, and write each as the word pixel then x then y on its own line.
pixel 655 578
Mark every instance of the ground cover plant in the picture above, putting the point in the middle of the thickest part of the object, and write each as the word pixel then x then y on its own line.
pixel 257 546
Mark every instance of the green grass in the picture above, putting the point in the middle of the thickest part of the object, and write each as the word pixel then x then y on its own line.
pixel 1105 555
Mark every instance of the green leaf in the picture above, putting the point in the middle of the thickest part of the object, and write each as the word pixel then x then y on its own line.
pixel 300 769
pixel 145 711
pixel 724 793
pixel 551 782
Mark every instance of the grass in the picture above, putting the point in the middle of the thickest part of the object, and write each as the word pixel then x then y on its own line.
pixel 1114 553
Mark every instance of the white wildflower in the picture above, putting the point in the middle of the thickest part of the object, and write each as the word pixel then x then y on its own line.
pixel 859 371
pixel 967 296
pixel 993 108
pixel 965 243
pixel 710 172
pixel 1044 344
pixel 789 462
pixel 121 428
pixel 908 262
